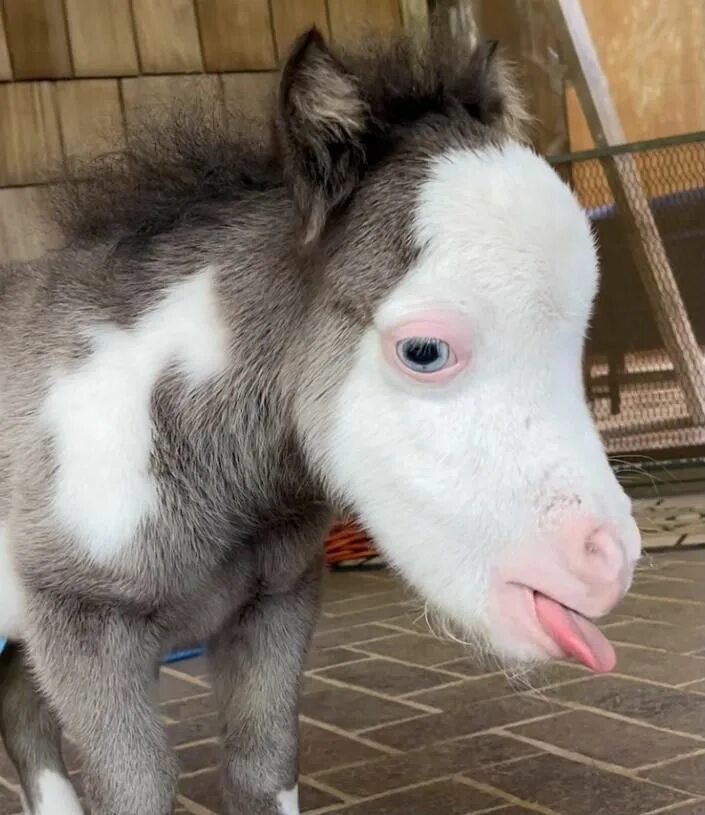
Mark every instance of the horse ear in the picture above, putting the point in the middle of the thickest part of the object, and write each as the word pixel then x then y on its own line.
pixel 321 121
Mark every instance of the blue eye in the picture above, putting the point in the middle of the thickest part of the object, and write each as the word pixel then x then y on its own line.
pixel 425 355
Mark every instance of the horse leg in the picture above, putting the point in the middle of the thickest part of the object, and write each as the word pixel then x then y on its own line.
pixel 32 739
pixel 258 661
pixel 96 666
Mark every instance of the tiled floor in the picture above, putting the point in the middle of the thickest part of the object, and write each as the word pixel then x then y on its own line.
pixel 396 722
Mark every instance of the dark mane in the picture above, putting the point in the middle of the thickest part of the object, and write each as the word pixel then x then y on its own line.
pixel 183 164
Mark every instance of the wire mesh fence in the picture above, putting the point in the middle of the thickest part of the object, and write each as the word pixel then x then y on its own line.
pixel 645 353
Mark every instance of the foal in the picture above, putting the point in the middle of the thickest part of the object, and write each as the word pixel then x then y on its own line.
pixel 381 311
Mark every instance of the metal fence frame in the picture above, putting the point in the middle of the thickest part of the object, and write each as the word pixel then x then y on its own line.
pixel 565 164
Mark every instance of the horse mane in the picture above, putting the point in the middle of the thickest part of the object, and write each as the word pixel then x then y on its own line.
pixel 184 162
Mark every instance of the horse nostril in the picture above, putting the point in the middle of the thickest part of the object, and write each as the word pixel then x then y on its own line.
pixel 603 556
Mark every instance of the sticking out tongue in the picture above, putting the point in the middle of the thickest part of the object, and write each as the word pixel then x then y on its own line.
pixel 575 635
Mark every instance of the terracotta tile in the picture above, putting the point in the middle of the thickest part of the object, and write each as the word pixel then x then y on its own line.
pixel 388 677
pixel 668 611
pixel 410 621
pixel 675 638
pixel 323 750
pixel 182 709
pixel 468 692
pixel 313 685
pixel 333 656
pixel 353 710
pixel 328 623
pixel 697 808
pixel 606 739
pixel 688 774
pixel 311 798
pixel 197 666
pixel 354 583
pixel 9 801
pixel 426 763
pixel 671 669
pixel 694 570
pixel 436 727
pixel 350 636
pixel 663 707
pixel 366 601
pixel 426 651
pixel 684 556
pixel 196 757
pixel 447 797
pixel 676 589
pixel 204 788
pixel 195 729
pixel 174 687
pixel 511 810
pixel 576 789
pixel 437 746
pixel 469 667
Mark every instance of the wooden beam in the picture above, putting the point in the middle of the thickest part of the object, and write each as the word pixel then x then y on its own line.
pixel 414 14
pixel 456 18
pixel 627 187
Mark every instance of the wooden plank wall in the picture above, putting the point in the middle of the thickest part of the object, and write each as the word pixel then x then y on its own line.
pixel 73 73
pixel 527 38
pixel 653 54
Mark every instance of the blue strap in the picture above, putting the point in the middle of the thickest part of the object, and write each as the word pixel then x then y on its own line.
pixel 174 656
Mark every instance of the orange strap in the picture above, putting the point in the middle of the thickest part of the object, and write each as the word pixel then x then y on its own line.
pixel 348 542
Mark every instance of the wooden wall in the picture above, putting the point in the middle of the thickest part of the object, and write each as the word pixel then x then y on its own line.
pixel 73 73
pixel 653 54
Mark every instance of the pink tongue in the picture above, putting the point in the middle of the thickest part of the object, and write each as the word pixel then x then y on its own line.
pixel 575 635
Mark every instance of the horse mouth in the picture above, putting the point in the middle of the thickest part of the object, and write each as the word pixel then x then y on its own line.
pixel 573 634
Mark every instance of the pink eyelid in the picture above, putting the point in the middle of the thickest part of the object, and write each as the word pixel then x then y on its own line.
pixel 450 327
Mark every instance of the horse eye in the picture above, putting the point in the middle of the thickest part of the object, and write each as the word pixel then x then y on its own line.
pixel 424 355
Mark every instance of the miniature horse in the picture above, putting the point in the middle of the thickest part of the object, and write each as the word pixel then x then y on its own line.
pixel 379 310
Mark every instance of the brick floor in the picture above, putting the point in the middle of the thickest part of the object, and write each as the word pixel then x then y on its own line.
pixel 395 722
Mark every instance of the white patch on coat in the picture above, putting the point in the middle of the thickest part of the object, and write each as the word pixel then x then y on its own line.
pixel 11 591
pixel 56 795
pixel 288 802
pixel 100 413
pixel 452 479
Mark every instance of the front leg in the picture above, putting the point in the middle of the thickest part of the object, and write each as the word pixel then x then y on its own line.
pixel 33 739
pixel 258 662
pixel 96 666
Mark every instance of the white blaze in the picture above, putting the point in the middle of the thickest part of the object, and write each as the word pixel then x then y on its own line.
pixel 100 414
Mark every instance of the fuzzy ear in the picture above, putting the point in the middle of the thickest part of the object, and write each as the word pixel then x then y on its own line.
pixel 321 123
pixel 495 96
